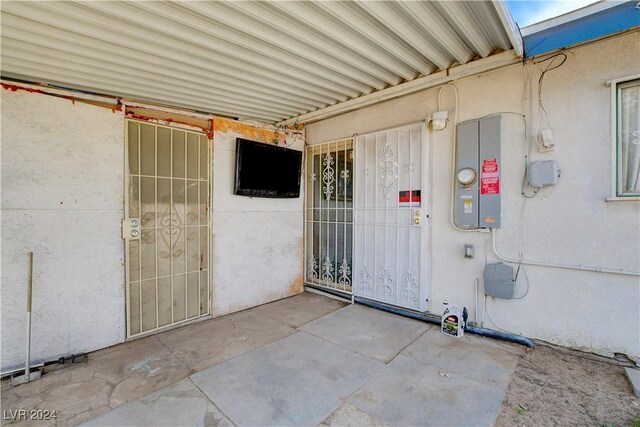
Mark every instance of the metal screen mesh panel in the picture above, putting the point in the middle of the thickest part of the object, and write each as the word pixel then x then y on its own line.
pixel 167 181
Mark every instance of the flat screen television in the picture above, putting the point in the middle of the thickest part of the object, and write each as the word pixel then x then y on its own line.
pixel 264 170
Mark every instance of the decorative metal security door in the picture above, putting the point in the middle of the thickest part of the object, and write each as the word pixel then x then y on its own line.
pixel 390 262
pixel 167 226
pixel 329 215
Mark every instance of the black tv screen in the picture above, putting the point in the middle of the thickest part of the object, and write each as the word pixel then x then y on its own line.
pixel 264 170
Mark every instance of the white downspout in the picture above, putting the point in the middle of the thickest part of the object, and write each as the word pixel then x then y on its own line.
pixel 27 360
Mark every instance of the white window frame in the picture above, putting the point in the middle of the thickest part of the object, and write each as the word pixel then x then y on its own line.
pixel 614 86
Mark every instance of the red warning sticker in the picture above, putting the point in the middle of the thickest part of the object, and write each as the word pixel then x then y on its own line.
pixel 490 178
pixel 409 198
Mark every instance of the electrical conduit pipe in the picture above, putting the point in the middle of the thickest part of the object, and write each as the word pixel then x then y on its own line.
pixel 432 318
pixel 553 265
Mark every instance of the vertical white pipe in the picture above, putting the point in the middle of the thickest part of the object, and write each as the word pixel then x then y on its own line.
pixel 355 262
pixel 344 216
pixel 475 314
pixel 156 228
pixel 335 220
pixel 139 178
pixel 171 236
pixel 27 361
pixel 398 227
pixel 375 217
pixel 484 309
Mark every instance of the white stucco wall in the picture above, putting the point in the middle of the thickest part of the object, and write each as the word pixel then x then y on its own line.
pixel 62 199
pixel 574 225
pixel 257 242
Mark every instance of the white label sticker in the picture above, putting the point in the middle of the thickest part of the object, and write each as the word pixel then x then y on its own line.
pixel 468 206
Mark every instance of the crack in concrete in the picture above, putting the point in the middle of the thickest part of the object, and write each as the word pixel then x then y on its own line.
pixel 212 402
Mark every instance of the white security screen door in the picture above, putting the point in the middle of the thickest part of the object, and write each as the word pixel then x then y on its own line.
pixel 167 226
pixel 391 244
pixel 329 215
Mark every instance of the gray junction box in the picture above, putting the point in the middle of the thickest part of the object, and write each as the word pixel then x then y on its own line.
pixel 543 173
pixel 478 203
pixel 499 281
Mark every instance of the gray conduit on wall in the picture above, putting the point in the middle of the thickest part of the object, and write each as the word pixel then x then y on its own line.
pixel 432 318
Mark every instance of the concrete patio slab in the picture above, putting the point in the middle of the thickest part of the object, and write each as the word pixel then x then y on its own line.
pixel 128 371
pixel 482 359
pixel 110 378
pixel 348 415
pixel 301 309
pixel 367 331
pixel 298 380
pixel 268 372
pixel 181 404
pixel 138 368
pixel 205 344
pixel 409 393
pixel 633 375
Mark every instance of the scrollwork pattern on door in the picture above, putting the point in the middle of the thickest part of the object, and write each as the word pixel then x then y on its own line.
pixel 345 272
pixel 327 267
pixel 312 268
pixel 387 170
pixel 409 287
pixel 328 176
pixel 365 278
pixel 385 283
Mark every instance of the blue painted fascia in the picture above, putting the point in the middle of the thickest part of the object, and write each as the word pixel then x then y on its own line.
pixel 614 20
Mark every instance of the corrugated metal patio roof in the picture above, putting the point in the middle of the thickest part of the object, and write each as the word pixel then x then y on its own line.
pixel 266 61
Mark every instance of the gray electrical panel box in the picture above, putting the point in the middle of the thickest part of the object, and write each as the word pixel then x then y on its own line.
pixel 478 168
pixel 543 173
pixel 499 281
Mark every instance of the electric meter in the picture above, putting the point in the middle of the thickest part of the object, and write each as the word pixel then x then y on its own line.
pixel 467 176
pixel 477 173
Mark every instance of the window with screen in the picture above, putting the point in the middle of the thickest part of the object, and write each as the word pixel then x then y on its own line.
pixel 628 139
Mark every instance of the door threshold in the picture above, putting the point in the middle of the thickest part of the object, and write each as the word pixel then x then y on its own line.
pixel 402 311
pixel 329 293
pixel 169 327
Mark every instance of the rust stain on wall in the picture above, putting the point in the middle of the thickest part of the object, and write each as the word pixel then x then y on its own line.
pixel 297 285
pixel 207 125
pixel 146 115
pixel 210 132
pixel 255 133
pixel 113 108
pixel 73 99
pixel 247 131
pixel 15 88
